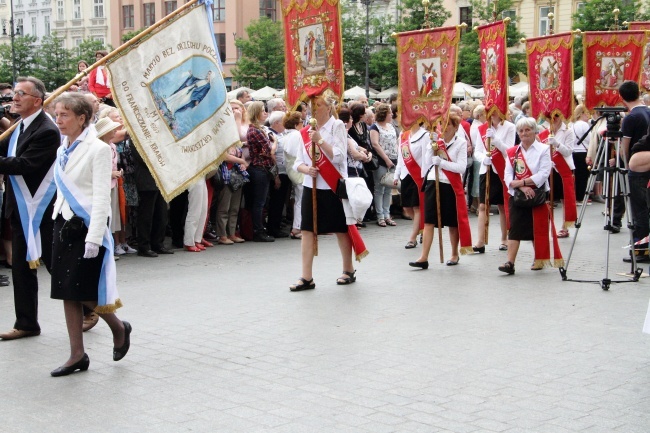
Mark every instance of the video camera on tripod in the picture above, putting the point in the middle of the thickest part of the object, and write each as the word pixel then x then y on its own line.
pixel 613 117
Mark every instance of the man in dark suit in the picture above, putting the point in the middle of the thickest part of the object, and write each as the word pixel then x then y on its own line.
pixel 34 153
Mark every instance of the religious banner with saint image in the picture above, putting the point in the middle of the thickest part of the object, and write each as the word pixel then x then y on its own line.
pixel 172 96
pixel 550 75
pixel 427 72
pixel 314 54
pixel 494 67
pixel 609 59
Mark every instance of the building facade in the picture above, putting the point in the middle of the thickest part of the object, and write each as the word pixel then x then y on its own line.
pixel 31 17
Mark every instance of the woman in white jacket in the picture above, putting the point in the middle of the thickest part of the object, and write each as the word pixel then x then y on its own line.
pixel 83 268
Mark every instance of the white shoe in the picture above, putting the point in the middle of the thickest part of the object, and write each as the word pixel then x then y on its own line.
pixel 119 251
pixel 127 249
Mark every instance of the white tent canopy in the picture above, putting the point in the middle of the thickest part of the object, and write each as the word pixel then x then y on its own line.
pixel 265 93
pixel 385 94
pixel 477 93
pixel 518 89
pixel 579 86
pixel 461 90
pixel 358 91
pixel 233 93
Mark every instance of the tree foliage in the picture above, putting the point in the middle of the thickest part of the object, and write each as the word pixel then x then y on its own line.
pixel 262 55
pixel 54 62
pixel 597 16
pixel 24 58
pixel 413 15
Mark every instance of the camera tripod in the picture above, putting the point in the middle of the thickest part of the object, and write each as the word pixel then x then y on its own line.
pixel 614 181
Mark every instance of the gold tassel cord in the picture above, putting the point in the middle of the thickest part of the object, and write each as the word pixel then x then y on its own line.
pixel 110 308
pixel 466 250
pixel 360 256
pixel 34 264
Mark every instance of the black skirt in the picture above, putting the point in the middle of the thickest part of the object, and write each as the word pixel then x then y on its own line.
pixel 73 277
pixel 496 188
pixel 447 205
pixel 558 186
pixel 521 221
pixel 331 217
pixel 409 192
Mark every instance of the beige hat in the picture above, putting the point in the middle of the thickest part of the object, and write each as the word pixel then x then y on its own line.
pixel 104 126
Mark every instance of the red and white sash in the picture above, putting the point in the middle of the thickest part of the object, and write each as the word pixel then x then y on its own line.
pixel 414 170
pixel 499 164
pixel 542 221
pixel 570 208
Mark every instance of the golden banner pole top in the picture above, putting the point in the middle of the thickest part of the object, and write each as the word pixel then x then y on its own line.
pixel 427 24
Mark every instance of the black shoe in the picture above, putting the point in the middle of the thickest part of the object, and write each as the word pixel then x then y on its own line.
pixel 147 253
pixel 210 235
pixel 279 234
pixel 4 277
pixel 119 353
pixel 163 250
pixel 479 250
pixel 81 365
pixel 421 265
pixel 263 237
pixel 4 283
pixel 614 228
pixel 639 259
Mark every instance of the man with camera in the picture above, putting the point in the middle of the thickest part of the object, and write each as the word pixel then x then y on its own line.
pixel 633 127
pixel 26 158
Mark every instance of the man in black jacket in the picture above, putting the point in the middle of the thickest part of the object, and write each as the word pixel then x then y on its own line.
pixel 27 158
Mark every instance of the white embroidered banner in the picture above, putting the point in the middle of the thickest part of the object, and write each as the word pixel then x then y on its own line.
pixel 173 99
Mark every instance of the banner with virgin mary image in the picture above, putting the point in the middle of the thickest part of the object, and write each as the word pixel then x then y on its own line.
pixel 173 100
pixel 609 59
pixel 550 75
pixel 494 67
pixel 427 72
pixel 312 42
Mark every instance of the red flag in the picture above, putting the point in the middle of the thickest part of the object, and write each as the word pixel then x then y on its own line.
pixel 609 59
pixel 494 67
pixel 550 75
pixel 312 41
pixel 427 73
pixel 639 25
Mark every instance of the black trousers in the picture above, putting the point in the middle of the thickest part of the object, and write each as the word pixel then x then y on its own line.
pixel 177 215
pixel 277 201
pixel 25 279
pixel 152 220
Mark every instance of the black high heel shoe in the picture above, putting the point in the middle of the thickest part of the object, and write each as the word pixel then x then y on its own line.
pixel 119 353
pixel 479 250
pixel 81 365
pixel 421 265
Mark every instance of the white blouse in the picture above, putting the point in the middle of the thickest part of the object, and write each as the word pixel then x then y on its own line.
pixel 418 141
pixel 457 151
pixel 538 160
pixel 504 139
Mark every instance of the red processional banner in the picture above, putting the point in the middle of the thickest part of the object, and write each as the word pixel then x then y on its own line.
pixel 494 67
pixel 427 72
pixel 638 25
pixel 609 59
pixel 312 42
pixel 550 75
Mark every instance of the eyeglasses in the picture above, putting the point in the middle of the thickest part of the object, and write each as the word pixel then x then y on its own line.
pixel 22 93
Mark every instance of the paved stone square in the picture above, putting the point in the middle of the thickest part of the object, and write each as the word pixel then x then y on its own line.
pixel 219 344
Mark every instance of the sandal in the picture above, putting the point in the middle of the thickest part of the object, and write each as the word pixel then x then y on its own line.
pixel 341 281
pixel 564 233
pixel 390 222
pixel 381 222
pixel 508 268
pixel 410 244
pixel 302 284
pixel 503 247
pixel 297 235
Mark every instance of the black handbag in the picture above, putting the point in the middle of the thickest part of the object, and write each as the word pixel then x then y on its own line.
pixel 520 199
pixel 341 189
pixel 372 165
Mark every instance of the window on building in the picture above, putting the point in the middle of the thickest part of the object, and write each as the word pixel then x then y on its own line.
pixel 99 39
pixel 580 7
pixel 170 6
pixel 465 16
pixel 33 33
pixel 76 9
pixel 267 9
pixel 77 42
pixel 149 14
pixel 127 17
pixel 19 27
pixel 98 10
pixel 544 22
pixel 512 14
pixel 60 15
pixel 219 10
pixel 19 2
pixel 221 45
pixel 46 25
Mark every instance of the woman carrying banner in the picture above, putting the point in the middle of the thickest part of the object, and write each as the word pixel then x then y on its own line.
pixel 451 158
pixel 528 166
pixel 331 138
pixel 502 137
pixel 83 269
pixel 409 170
pixel 561 139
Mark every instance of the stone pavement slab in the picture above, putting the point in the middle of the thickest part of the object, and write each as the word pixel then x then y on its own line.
pixel 219 344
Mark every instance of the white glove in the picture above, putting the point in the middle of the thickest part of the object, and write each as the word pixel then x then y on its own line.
pixel 92 250
pixel 487 161
pixel 436 160
pixel 552 141
pixel 490 133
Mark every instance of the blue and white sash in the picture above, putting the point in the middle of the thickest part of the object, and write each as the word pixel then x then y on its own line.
pixel 31 209
pixel 107 297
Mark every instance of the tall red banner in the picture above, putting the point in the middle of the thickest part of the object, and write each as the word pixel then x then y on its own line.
pixel 609 59
pixel 638 25
pixel 427 73
pixel 494 67
pixel 312 42
pixel 550 75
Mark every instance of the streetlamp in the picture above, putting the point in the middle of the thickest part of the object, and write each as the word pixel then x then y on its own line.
pixel 366 48
pixel 12 35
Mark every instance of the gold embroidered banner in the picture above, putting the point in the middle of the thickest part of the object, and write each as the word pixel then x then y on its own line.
pixel 494 67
